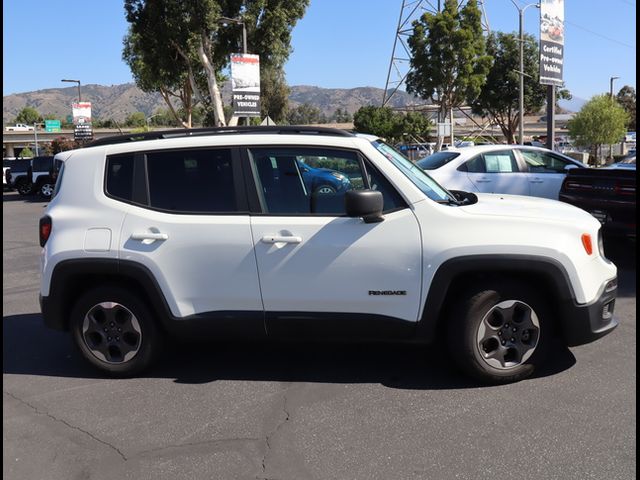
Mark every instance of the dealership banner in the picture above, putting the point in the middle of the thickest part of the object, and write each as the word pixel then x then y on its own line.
pixel 245 85
pixel 82 128
pixel 551 42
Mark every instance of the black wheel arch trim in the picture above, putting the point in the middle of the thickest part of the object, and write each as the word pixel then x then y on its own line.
pixel 451 270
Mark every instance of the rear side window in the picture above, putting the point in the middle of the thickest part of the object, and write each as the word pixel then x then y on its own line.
pixel 185 181
pixel 436 160
pixel 120 176
pixel 42 164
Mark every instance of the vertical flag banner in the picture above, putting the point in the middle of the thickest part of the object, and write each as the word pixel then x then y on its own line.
pixel 551 42
pixel 245 85
pixel 82 128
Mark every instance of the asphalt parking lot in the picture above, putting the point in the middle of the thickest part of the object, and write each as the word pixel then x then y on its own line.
pixel 234 411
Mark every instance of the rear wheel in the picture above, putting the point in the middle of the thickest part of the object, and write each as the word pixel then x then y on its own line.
pixel 24 187
pixel 499 334
pixel 115 331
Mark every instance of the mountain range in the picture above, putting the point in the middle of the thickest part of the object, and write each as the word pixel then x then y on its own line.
pixel 118 101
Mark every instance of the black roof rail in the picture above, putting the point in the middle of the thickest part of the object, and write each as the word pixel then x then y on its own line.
pixel 192 132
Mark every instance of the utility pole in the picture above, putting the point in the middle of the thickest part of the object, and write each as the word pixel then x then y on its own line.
pixel 551 115
pixel 35 136
pixel 521 72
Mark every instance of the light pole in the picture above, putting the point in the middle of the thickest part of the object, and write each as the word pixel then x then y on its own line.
pixel 521 72
pixel 611 86
pixel 149 118
pixel 237 21
pixel 78 82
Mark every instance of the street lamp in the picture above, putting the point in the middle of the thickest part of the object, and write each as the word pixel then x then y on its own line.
pixel 149 118
pixel 78 82
pixel 237 21
pixel 611 86
pixel 521 72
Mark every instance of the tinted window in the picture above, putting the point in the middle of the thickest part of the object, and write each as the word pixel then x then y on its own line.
pixel 475 165
pixel 543 162
pixel 191 181
pixel 305 180
pixel 436 160
pixel 120 176
pixel 19 166
pixel 42 164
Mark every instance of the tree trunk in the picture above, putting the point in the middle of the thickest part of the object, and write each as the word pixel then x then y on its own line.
pixel 214 90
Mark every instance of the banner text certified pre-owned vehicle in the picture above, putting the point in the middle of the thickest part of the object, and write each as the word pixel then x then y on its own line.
pixel 217 231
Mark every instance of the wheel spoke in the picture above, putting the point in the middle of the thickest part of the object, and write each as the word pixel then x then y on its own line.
pixel 112 332
pixel 508 334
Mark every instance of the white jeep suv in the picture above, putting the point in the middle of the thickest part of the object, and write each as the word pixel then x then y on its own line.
pixel 299 232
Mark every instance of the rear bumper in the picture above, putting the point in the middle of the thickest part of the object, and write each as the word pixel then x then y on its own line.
pixel 586 323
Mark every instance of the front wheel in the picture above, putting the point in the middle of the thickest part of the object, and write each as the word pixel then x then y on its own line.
pixel 115 331
pixel 498 334
pixel 46 190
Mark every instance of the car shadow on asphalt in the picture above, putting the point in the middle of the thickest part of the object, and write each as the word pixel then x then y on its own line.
pixel 29 348
pixel 16 197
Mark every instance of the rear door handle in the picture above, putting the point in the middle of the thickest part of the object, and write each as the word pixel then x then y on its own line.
pixel 149 236
pixel 483 180
pixel 280 239
pixel 536 180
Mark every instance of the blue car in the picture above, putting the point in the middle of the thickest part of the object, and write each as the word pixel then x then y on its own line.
pixel 323 180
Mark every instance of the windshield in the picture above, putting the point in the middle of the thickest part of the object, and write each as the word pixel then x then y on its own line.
pixel 418 177
pixel 436 160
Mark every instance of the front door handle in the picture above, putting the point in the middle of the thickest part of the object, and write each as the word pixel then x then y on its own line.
pixel 280 239
pixel 149 236
pixel 536 180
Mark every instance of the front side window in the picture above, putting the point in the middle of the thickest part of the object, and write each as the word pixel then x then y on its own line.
pixel 313 181
pixel 185 181
pixel 543 162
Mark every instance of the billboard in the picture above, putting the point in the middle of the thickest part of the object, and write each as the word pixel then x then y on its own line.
pixel 551 42
pixel 245 85
pixel 82 129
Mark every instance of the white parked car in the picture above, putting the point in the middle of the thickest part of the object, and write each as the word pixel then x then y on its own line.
pixel 19 127
pixel 511 169
pixel 303 232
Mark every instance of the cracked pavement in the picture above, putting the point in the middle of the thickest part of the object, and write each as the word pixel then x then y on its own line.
pixel 292 412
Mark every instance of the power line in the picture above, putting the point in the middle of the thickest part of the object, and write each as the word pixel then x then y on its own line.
pixel 600 35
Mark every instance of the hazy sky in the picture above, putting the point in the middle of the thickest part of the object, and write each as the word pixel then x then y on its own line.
pixel 338 44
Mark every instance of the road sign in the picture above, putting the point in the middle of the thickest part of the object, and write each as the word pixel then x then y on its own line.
pixel 52 126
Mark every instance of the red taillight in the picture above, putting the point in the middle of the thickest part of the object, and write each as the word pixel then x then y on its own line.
pixel 587 244
pixel 45 229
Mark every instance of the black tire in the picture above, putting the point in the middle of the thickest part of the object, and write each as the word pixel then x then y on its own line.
pixel 494 340
pixel 45 190
pixel 24 187
pixel 110 312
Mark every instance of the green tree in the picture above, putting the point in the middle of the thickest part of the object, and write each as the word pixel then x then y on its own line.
pixel 182 46
pixel 62 144
pixel 29 116
pixel 136 119
pixel 392 126
pixel 499 97
pixel 448 58
pixel 380 121
pixel 627 98
pixel 26 153
pixel 600 121
pixel 341 116
pixel 305 114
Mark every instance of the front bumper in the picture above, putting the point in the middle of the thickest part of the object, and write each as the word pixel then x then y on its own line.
pixel 585 323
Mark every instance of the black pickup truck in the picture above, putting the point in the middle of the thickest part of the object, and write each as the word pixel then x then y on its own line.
pixel 609 194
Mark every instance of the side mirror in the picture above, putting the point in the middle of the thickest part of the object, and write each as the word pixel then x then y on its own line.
pixel 570 166
pixel 364 203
